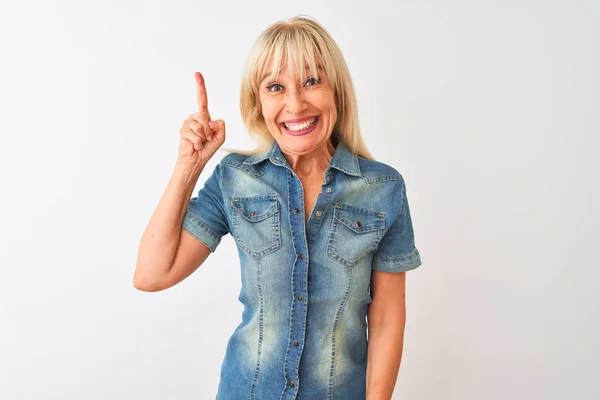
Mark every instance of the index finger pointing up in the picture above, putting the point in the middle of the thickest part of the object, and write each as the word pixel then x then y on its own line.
pixel 201 91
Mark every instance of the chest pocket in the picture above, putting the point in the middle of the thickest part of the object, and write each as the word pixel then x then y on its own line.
pixel 256 224
pixel 355 232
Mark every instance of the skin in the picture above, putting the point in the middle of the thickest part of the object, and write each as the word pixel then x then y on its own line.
pixel 386 322
pixel 282 99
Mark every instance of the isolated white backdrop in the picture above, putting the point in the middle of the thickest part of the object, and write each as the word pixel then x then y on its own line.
pixel 489 109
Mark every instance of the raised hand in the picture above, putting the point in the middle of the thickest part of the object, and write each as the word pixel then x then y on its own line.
pixel 200 137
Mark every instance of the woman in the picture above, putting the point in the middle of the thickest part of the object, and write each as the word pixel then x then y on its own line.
pixel 323 231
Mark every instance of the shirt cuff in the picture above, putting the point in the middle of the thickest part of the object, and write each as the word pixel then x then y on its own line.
pixel 397 263
pixel 200 230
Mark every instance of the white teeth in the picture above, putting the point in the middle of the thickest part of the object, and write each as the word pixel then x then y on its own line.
pixel 300 127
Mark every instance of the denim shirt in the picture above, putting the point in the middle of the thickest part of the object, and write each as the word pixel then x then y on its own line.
pixel 305 286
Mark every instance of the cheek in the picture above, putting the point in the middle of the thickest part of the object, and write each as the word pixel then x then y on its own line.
pixel 268 110
pixel 329 103
pixel 332 108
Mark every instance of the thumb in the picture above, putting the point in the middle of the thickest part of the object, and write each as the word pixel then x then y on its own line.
pixel 217 126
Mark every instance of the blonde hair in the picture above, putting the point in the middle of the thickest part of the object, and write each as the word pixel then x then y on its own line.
pixel 301 41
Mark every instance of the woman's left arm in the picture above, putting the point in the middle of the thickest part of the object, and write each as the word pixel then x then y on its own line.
pixel 386 320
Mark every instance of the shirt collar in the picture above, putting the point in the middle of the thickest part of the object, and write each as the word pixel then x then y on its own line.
pixel 343 159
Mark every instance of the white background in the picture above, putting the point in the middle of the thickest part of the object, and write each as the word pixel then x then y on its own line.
pixel 489 109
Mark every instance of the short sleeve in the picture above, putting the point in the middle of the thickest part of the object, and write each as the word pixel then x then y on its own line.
pixel 205 217
pixel 397 251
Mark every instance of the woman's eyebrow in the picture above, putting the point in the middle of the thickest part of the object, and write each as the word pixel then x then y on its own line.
pixel 306 68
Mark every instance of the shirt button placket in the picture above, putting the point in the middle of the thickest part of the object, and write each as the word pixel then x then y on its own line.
pixel 299 273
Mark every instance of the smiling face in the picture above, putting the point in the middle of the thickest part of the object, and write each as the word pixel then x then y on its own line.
pixel 300 112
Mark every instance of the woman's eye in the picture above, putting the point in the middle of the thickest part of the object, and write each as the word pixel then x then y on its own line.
pixel 276 87
pixel 270 87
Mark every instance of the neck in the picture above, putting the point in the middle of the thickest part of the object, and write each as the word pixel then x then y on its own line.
pixel 311 164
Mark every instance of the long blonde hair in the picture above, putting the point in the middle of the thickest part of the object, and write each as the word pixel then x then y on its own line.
pixel 301 41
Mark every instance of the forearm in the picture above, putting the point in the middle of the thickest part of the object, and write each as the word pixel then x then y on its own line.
pixel 160 239
pixel 384 356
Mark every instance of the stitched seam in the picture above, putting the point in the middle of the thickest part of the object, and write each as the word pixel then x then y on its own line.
pixel 394 259
pixel 261 216
pixel 331 248
pixel 287 352
pixel 335 323
pixel 249 170
pixel 260 333
pixel 203 226
pixel 306 261
pixel 275 239
pixel 381 179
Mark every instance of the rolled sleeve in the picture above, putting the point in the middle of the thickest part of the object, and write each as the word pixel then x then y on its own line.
pixel 397 251
pixel 205 217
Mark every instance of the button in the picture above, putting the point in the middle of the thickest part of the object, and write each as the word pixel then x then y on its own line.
pixel 300 298
pixel 319 213
pixel 292 383
pixel 296 210
pixel 252 214
pixel 276 158
pixel 328 190
pixel 296 343
pixel 302 257
pixel 358 223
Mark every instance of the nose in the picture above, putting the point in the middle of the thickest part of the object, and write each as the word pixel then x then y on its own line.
pixel 295 102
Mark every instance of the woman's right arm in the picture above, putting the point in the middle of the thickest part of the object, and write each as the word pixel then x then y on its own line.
pixel 167 254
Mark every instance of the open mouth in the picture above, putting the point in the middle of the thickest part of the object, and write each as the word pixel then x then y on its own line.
pixel 302 127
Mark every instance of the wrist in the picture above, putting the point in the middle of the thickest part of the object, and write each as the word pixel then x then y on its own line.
pixel 186 174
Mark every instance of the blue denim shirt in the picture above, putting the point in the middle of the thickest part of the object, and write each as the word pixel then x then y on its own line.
pixel 305 286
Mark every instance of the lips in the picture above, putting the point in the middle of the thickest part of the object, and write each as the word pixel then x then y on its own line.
pixel 302 128
pixel 299 123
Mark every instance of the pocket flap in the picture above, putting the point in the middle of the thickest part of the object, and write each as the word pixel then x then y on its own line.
pixel 358 219
pixel 256 208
